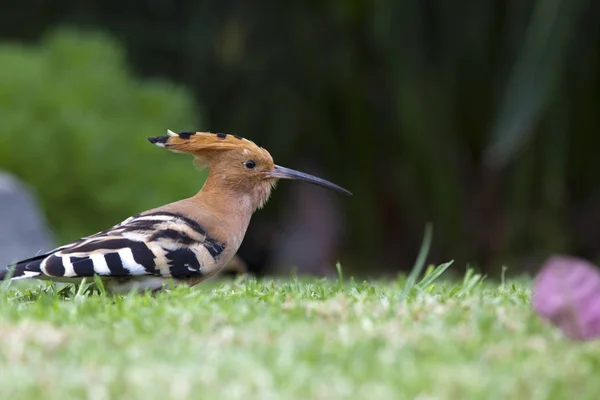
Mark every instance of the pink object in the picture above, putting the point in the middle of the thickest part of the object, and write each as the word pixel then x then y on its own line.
pixel 567 293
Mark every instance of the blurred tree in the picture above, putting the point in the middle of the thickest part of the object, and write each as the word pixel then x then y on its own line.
pixel 73 124
pixel 480 115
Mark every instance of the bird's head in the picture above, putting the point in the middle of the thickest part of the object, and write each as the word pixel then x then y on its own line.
pixel 236 163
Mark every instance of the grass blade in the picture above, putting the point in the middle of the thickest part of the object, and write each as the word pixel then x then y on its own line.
pixel 421 258
pixel 338 266
pixel 436 273
pixel 100 285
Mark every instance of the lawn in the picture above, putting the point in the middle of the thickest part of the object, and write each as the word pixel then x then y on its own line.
pixel 293 338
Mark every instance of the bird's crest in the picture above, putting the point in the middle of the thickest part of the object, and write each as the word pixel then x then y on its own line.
pixel 203 145
pixel 199 142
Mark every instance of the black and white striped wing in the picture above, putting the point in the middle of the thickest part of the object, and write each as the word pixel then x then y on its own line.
pixel 161 244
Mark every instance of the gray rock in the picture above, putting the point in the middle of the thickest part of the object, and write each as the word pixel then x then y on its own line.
pixel 23 229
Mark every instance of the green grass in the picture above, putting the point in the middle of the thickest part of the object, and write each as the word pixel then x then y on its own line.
pixel 294 338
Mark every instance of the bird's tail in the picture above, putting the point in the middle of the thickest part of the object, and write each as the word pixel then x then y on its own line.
pixel 5 273
pixel 29 268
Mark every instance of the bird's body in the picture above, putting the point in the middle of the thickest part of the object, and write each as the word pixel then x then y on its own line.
pixel 183 242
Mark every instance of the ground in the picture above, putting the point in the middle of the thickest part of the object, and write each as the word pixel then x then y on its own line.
pixel 292 338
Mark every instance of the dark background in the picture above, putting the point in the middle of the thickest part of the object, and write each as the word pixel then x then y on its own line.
pixel 479 116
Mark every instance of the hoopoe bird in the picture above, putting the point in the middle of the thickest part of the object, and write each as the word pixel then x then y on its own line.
pixel 184 242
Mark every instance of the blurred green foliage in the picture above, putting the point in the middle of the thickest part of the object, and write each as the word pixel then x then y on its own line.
pixel 74 123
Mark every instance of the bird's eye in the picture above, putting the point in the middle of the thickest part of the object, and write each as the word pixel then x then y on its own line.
pixel 250 164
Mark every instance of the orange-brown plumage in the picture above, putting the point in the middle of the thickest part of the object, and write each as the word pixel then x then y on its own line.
pixel 186 241
pixel 226 157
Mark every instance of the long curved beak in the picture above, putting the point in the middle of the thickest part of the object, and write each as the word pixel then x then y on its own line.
pixel 286 173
